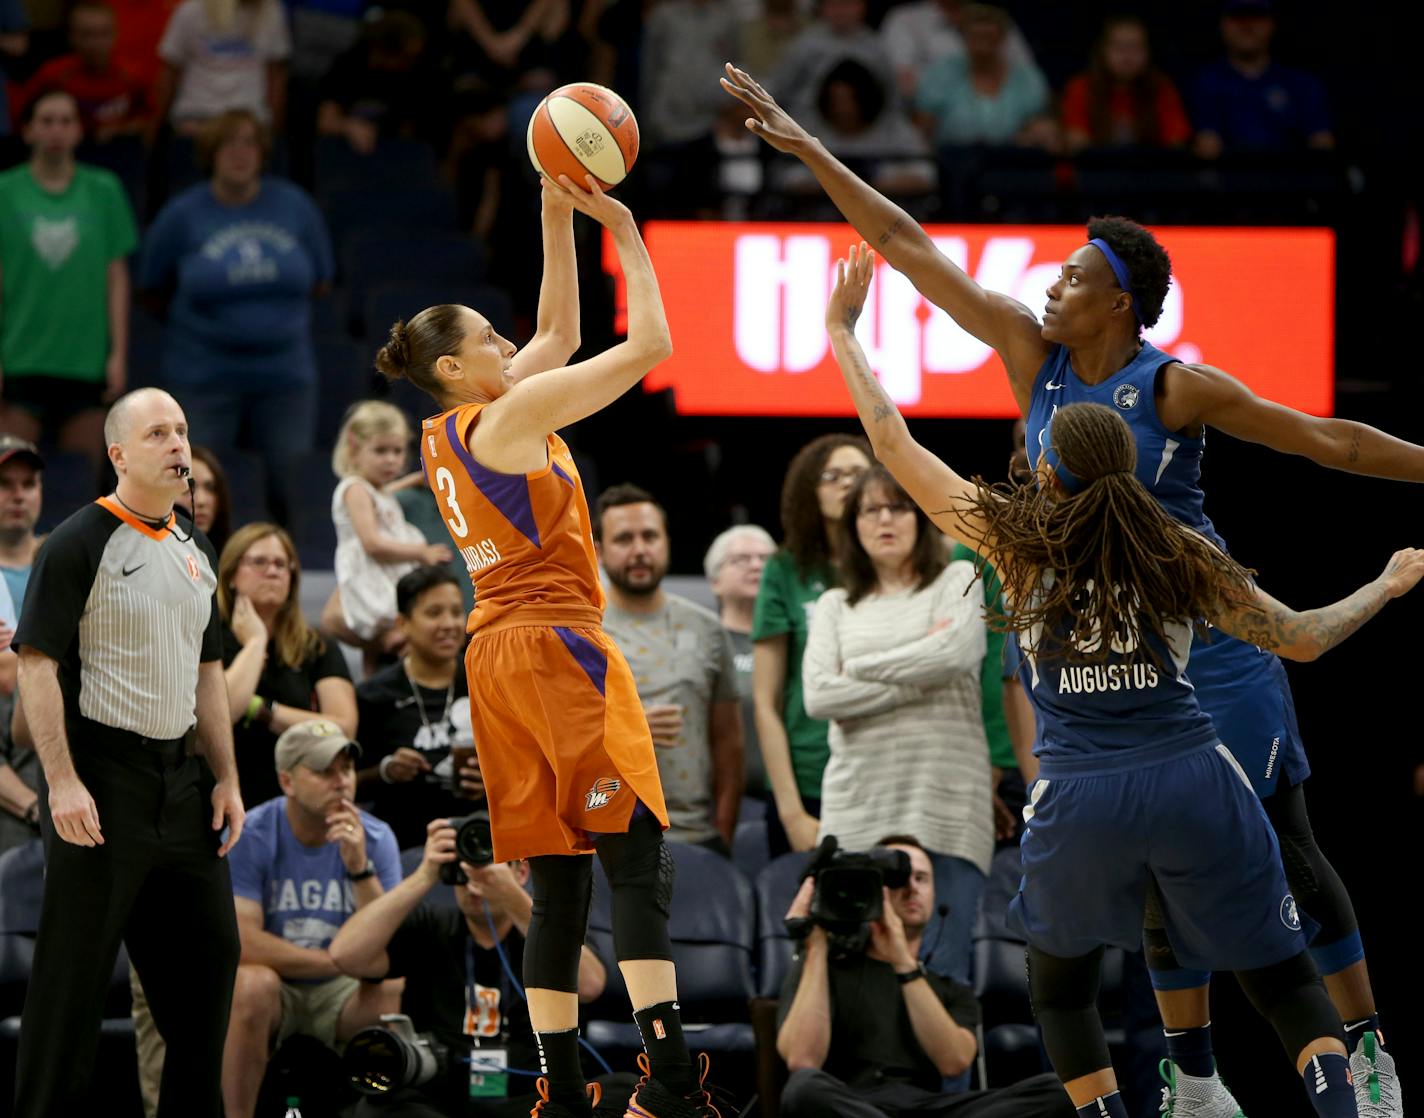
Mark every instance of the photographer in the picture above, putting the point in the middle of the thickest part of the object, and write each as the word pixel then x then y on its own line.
pixel 892 1030
pixel 458 989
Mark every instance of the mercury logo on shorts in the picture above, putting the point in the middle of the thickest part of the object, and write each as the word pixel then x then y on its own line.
pixel 603 789
pixel 1290 915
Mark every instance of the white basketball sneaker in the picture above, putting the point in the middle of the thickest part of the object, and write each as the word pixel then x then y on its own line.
pixel 1376 1084
pixel 1186 1096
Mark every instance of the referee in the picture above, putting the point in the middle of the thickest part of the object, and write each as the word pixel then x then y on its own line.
pixel 120 654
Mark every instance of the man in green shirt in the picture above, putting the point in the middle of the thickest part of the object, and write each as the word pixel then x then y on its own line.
pixel 65 230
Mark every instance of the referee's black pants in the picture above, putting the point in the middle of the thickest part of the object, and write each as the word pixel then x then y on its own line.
pixel 158 885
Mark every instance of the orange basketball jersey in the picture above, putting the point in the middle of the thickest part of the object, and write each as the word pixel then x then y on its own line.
pixel 526 538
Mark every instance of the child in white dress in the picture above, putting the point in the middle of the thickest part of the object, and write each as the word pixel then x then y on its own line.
pixel 375 544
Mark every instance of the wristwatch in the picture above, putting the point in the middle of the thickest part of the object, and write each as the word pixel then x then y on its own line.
pixel 369 871
pixel 904 979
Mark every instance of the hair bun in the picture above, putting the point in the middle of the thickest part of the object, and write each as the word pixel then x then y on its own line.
pixel 393 359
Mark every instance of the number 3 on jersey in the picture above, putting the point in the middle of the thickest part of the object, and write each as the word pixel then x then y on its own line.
pixel 445 482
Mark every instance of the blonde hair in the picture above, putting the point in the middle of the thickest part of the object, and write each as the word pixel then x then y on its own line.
pixel 365 420
pixel 295 639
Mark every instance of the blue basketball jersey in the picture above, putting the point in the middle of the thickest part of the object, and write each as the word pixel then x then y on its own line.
pixel 1241 687
pixel 1113 707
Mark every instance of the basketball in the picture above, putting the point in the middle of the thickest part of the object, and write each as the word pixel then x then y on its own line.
pixel 583 129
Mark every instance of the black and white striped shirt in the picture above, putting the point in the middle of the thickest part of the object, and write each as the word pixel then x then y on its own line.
pixel 127 609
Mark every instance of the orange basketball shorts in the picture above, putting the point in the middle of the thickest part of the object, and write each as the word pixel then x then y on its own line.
pixel 562 741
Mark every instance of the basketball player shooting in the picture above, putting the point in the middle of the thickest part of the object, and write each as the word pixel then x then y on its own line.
pixel 563 745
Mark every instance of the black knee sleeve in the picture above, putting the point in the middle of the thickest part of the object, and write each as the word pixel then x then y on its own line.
pixel 1292 998
pixel 1156 947
pixel 640 873
pixel 1313 882
pixel 563 890
pixel 1065 1002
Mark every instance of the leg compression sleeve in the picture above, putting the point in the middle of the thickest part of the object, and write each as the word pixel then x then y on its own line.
pixel 1163 968
pixel 1065 997
pixel 640 873
pixel 1316 886
pixel 1292 998
pixel 563 890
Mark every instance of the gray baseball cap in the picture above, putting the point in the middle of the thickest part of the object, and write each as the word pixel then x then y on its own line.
pixel 314 743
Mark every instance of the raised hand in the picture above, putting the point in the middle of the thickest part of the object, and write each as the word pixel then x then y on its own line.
pixel 1403 571
pixel 771 122
pixel 851 287
pixel 590 199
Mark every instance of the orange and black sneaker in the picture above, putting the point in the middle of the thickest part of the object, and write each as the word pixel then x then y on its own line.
pixel 543 1108
pixel 651 1099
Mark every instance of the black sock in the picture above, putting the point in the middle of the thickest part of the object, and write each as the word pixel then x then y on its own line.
pixel 1354 1029
pixel 559 1063
pixel 1190 1050
pixel 661 1029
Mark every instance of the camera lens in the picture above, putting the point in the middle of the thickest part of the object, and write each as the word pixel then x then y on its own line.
pixel 379 1061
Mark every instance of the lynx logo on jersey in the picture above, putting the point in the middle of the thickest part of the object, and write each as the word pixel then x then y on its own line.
pixel 603 789
pixel 1125 396
pixel 1290 915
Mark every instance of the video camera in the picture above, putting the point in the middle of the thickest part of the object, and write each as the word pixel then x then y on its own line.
pixel 848 894
pixel 473 844
pixel 392 1055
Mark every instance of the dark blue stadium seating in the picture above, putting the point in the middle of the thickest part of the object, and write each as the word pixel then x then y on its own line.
pixel 776 887
pixel 373 257
pixel 397 162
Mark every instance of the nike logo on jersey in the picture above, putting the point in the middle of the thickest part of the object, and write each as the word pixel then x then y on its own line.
pixel 132 570
pixel 1052 387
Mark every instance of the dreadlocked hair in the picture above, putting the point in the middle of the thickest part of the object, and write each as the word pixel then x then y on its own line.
pixel 1120 566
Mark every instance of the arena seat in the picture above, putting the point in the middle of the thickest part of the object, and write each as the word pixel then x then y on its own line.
pixel 397 162
pixel 776 887
pixel 749 850
pixel 370 257
pixel 712 927
pixel 343 377
pixel 386 302
pixel 403 208
pixel 21 888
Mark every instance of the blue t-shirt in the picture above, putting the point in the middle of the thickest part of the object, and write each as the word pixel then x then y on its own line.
pixel 17 579
pixel 303 890
pixel 1278 111
pixel 242 279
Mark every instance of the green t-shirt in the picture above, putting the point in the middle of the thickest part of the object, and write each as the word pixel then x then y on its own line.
pixel 783 608
pixel 55 251
pixel 991 674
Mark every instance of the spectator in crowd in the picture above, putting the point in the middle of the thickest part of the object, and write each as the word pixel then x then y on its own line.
pixel 220 56
pixel 484 165
pixel 14 42
pixel 1123 100
pixel 278 668
pixel 982 96
pixel 893 662
pixel 309 859
pixel 766 35
pixel 21 496
pixel 236 261
pixel 210 505
pixel 1248 102
pixel 322 30
pixel 382 86
pixel 375 545
pixel 685 44
pixel 112 102
pixel 513 45
pixel 890 1030
pixel 733 565
pixel 860 120
pixel 683 664
pixel 793 744
pixel 840 33
pixel 65 230
pixel 413 713
pixel 923 32
pixel 457 964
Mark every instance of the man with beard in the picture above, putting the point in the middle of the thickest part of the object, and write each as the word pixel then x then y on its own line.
pixel 684 666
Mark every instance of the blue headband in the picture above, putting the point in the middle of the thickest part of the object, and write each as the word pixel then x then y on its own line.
pixel 1124 279
pixel 1066 477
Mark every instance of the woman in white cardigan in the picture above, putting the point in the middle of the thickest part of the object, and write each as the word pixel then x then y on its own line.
pixel 893 662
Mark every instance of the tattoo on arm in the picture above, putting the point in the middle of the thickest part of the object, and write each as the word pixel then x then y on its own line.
pixel 1271 626
pixel 889 234
pixel 1354 453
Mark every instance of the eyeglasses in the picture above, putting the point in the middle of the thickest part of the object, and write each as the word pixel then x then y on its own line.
pixel 266 563
pixel 894 508
pixel 833 475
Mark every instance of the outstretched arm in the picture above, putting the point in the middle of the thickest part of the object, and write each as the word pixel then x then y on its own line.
pixel 1309 634
pixel 945 496
pixel 538 406
pixel 996 320
pixel 556 330
pixel 1197 395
